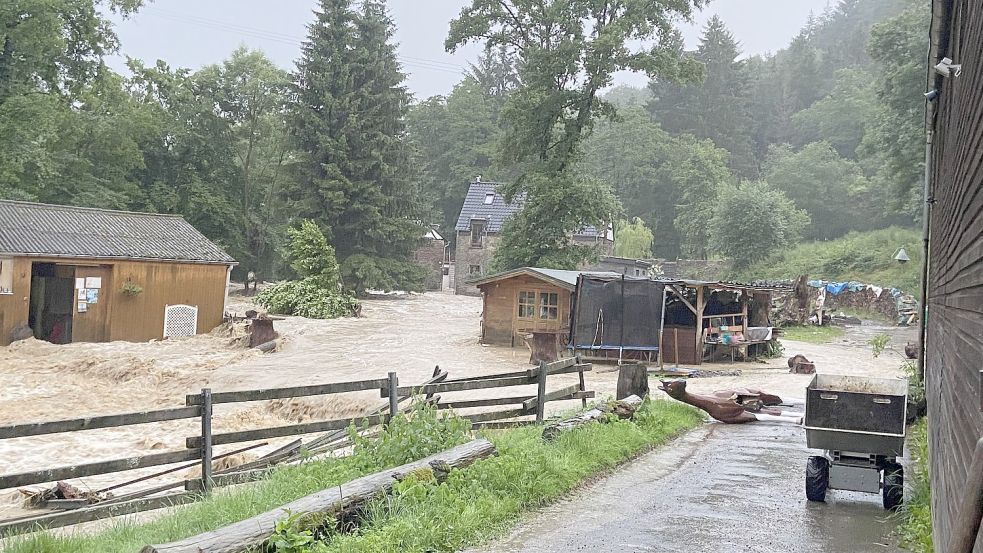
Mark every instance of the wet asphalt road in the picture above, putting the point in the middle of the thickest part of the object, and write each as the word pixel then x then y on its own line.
pixel 734 488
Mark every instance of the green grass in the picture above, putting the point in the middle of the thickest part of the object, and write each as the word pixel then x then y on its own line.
pixel 915 530
pixel 813 334
pixel 474 505
pixel 866 257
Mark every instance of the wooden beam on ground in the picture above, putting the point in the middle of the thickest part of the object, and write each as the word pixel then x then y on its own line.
pixel 90 423
pixel 569 369
pixel 310 511
pixel 296 391
pixel 464 404
pixel 102 467
pixel 562 393
pixel 624 409
pixel 95 512
pixel 277 431
pixel 462 386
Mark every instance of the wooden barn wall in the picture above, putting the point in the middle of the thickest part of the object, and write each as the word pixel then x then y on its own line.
pixel 118 316
pixel 954 347
pixel 500 314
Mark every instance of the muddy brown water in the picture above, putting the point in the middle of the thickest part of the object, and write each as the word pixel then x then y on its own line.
pixel 409 335
pixel 719 488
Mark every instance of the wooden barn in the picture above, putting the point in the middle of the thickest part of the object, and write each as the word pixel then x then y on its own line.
pixel 523 301
pixel 954 339
pixel 70 274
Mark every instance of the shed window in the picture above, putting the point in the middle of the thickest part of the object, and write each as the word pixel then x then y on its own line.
pixel 477 233
pixel 549 305
pixel 6 275
pixel 527 305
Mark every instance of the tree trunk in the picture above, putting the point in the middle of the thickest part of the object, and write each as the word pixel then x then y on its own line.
pixel 633 380
pixel 330 503
pixel 624 409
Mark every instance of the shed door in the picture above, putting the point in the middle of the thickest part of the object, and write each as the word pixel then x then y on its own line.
pixel 92 305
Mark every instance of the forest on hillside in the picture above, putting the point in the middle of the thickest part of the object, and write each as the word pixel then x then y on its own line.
pixel 812 142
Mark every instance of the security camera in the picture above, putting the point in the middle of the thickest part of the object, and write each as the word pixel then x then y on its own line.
pixel 946 68
pixel 931 95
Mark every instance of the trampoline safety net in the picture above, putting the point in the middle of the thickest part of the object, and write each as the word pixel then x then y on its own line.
pixel 617 312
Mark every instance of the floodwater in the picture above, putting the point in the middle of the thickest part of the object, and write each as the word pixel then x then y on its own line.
pixel 719 488
pixel 409 335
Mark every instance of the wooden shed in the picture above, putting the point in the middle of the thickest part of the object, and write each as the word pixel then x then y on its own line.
pixel 73 274
pixel 525 300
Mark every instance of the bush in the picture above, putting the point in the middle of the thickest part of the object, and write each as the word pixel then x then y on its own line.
pixel 306 298
pixel 753 221
pixel 423 432
pixel 915 530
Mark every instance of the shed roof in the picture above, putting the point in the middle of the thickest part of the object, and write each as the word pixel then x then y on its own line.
pixel 561 278
pixel 485 203
pixel 33 229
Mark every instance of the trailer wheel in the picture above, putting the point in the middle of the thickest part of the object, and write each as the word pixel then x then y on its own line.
pixel 893 490
pixel 817 478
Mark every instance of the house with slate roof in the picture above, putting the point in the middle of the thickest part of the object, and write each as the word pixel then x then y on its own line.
pixel 72 274
pixel 479 229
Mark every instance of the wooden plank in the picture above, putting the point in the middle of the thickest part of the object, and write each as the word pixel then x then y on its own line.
pixel 278 431
pixel 495 415
pixel 562 393
pixel 346 499
pixel 463 404
pixel 230 479
pixel 102 467
pixel 577 368
pixel 541 392
pixel 682 298
pixel 487 376
pixel 91 423
pixel 296 391
pixel 206 438
pixel 500 425
pixel 462 386
pixel 96 512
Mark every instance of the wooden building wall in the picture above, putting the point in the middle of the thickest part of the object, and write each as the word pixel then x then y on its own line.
pixel 117 316
pixel 500 316
pixel 954 345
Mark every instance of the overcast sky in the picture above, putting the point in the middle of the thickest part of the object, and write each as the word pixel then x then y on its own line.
pixel 193 33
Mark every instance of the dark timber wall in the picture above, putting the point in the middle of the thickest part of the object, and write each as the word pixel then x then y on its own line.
pixel 954 351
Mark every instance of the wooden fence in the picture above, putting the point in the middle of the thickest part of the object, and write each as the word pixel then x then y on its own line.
pixel 199 450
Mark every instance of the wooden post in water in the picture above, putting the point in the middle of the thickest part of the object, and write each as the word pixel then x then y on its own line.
pixel 206 440
pixel 541 393
pixel 393 396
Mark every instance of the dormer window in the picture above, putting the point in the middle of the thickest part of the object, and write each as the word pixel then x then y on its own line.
pixel 489 198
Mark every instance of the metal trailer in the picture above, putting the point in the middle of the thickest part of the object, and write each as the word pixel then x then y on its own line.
pixel 860 423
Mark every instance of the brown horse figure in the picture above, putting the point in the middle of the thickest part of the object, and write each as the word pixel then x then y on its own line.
pixel 732 406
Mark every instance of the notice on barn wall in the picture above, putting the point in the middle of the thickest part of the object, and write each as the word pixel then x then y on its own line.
pixel 83 307
pixel 91 295
pixel 93 282
pixel 79 283
pixel 80 296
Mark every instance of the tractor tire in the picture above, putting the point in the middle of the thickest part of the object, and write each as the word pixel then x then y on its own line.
pixel 817 478
pixel 893 488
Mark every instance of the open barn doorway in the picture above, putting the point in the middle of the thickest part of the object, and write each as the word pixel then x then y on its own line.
pixel 52 302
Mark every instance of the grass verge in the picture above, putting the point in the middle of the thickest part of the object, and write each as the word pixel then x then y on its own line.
pixel 472 506
pixel 813 334
pixel 915 530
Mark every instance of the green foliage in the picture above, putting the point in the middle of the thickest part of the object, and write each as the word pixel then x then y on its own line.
pixel 878 343
pixel 752 221
pixel 915 530
pixel 288 537
pixel 318 295
pixel 812 334
pixel 354 176
pixel 130 288
pixel 632 239
pixel 566 53
pixel 866 257
pixel 716 108
pixel 831 189
pixel 410 436
pixel 842 116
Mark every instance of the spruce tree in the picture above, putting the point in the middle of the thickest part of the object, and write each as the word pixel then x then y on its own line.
pixel 348 125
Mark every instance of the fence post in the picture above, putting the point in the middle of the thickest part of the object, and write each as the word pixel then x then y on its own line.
pixel 206 440
pixel 583 383
pixel 393 397
pixel 541 392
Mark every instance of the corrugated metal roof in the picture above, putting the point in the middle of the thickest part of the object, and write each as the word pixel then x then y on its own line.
pixel 63 231
pixel 484 202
